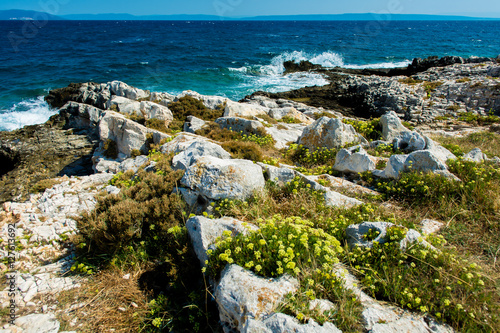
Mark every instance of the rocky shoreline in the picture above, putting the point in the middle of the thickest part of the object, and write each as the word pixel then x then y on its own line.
pixel 106 129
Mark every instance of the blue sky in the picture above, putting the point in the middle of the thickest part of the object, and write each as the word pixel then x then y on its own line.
pixel 257 7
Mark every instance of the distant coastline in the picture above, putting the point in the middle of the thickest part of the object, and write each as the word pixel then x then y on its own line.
pixel 15 14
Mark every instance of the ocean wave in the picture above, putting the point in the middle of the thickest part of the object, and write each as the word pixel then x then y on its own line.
pixel 27 112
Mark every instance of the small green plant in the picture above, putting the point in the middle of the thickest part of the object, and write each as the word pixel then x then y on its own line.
pixel 430 87
pixel 261 140
pixel 244 150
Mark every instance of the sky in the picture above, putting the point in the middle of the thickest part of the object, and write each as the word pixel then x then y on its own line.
pixel 241 8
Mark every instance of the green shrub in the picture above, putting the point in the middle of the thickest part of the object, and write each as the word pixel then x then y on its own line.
pixel 157 124
pixel 189 106
pixel 426 280
pixel 110 149
pixel 291 246
pixel 290 120
pixel 370 129
pixel 244 150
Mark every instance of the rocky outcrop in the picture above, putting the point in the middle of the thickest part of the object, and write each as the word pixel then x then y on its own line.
pixel 391 126
pixel 425 90
pixel 329 133
pixel 216 179
pixel 127 134
pixel 195 151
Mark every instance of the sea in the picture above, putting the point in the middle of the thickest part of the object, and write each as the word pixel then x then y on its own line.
pixel 226 58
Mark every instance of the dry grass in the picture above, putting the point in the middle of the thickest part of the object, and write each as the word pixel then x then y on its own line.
pixel 106 303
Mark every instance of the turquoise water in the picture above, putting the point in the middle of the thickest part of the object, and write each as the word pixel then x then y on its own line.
pixel 231 59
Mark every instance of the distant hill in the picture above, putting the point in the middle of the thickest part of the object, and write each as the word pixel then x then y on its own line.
pixel 18 14
pixel 364 17
pixel 130 17
pixel 15 14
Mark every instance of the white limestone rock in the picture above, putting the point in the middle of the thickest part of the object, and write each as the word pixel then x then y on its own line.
pixel 355 235
pixel 234 109
pixel 284 134
pixel 354 159
pixel 475 155
pixel 391 126
pixel 193 124
pixel 38 323
pixel 127 134
pixel 181 142
pixel 280 322
pixel 122 89
pixel 152 110
pixel 290 112
pixel 216 178
pixel 241 125
pixel 242 295
pixel 196 150
pixel 124 105
pixel 329 133
pixel 204 231
pixel 280 176
pixel 409 141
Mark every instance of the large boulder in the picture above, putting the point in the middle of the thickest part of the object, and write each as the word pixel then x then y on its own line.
pixel 197 150
pixel 234 109
pixel 354 159
pixel 395 166
pixel 181 142
pixel 122 89
pixel 424 160
pixel 152 110
pixel 204 231
pixel 241 125
pixel 216 178
pixel 409 141
pixel 241 295
pixel 329 133
pixel 127 134
pixel 391 125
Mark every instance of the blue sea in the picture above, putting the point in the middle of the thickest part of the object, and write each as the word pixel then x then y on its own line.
pixel 227 58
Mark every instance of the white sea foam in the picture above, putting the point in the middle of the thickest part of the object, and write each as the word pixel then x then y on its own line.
pixel 28 112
